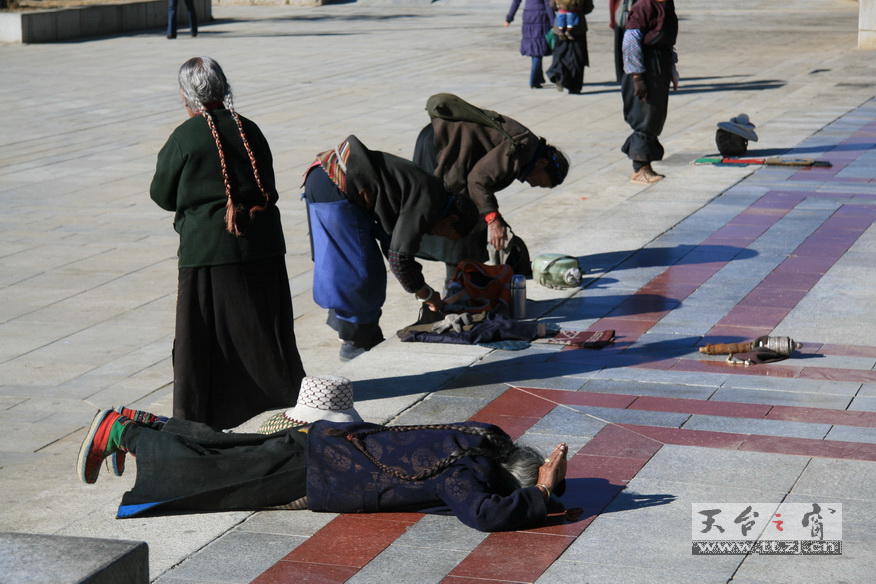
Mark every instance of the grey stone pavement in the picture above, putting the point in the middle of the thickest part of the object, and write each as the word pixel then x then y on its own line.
pixel 88 279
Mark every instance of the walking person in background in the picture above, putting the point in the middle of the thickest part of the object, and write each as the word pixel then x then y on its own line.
pixel 234 354
pixel 171 17
pixel 649 71
pixel 570 55
pixel 538 18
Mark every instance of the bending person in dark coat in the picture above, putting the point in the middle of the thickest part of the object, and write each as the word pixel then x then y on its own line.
pixel 363 205
pixel 471 470
pixel 234 353
pixel 476 161
pixel 649 67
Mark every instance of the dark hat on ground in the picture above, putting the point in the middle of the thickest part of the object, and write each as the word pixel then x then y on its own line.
pixel 741 126
pixel 324 397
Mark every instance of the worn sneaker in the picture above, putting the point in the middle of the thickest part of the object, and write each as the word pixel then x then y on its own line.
pixel 350 351
pixel 102 440
pixel 141 418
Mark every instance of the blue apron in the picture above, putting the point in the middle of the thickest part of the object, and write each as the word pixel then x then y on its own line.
pixel 349 275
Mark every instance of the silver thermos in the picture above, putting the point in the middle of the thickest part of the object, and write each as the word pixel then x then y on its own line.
pixel 518 296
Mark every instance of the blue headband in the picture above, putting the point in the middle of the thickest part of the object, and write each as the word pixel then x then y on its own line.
pixel 539 152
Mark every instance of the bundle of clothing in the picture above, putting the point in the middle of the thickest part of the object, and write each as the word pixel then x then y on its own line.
pixel 498 330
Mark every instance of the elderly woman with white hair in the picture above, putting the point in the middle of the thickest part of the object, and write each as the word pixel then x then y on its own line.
pixel 235 354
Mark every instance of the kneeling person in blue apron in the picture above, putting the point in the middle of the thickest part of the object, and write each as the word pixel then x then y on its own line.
pixel 364 205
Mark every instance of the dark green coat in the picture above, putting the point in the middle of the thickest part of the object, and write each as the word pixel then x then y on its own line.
pixel 188 181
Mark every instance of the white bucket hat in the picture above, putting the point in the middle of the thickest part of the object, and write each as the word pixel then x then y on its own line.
pixel 741 126
pixel 323 397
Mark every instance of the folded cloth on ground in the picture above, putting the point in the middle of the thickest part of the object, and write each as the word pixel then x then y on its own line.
pixel 493 327
pixel 580 339
pixel 452 321
pixel 425 326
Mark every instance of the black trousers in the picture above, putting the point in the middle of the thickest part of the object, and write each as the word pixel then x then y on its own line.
pixel 646 118
pixel 187 466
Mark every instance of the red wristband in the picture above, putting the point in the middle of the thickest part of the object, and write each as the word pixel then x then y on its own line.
pixel 491 217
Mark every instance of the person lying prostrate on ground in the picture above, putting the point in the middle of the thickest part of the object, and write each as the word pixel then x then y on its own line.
pixel 471 470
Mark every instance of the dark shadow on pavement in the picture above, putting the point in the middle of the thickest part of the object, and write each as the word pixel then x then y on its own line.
pixel 527 368
pixel 682 254
pixel 688 86
pixel 597 496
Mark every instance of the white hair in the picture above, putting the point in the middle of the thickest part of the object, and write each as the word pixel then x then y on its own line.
pixel 201 80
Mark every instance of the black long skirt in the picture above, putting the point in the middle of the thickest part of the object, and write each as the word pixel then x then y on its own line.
pixel 187 467
pixel 569 60
pixel 235 354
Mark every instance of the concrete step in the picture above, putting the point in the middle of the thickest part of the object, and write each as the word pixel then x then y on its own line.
pixel 55 559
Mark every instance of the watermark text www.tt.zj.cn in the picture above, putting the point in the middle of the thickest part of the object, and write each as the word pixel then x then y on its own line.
pixel 767 528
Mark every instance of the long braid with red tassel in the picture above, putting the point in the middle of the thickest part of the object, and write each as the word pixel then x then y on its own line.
pixel 230 205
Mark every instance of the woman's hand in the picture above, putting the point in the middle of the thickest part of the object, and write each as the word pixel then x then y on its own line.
pixel 640 89
pixel 507 24
pixel 553 471
pixel 497 234
pixel 434 302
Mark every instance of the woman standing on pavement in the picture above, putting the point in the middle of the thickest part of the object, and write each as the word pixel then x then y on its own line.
pixel 234 353
pixel 570 55
pixel 538 18
pixel 649 70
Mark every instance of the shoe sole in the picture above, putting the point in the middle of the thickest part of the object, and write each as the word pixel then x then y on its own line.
pixel 85 452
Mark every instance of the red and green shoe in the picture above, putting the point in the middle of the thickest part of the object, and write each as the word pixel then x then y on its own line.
pixel 102 440
pixel 141 418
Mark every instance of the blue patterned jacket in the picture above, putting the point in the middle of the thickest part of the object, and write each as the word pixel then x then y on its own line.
pixel 341 479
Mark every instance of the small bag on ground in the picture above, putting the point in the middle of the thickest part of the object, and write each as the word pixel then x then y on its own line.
pixel 477 287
